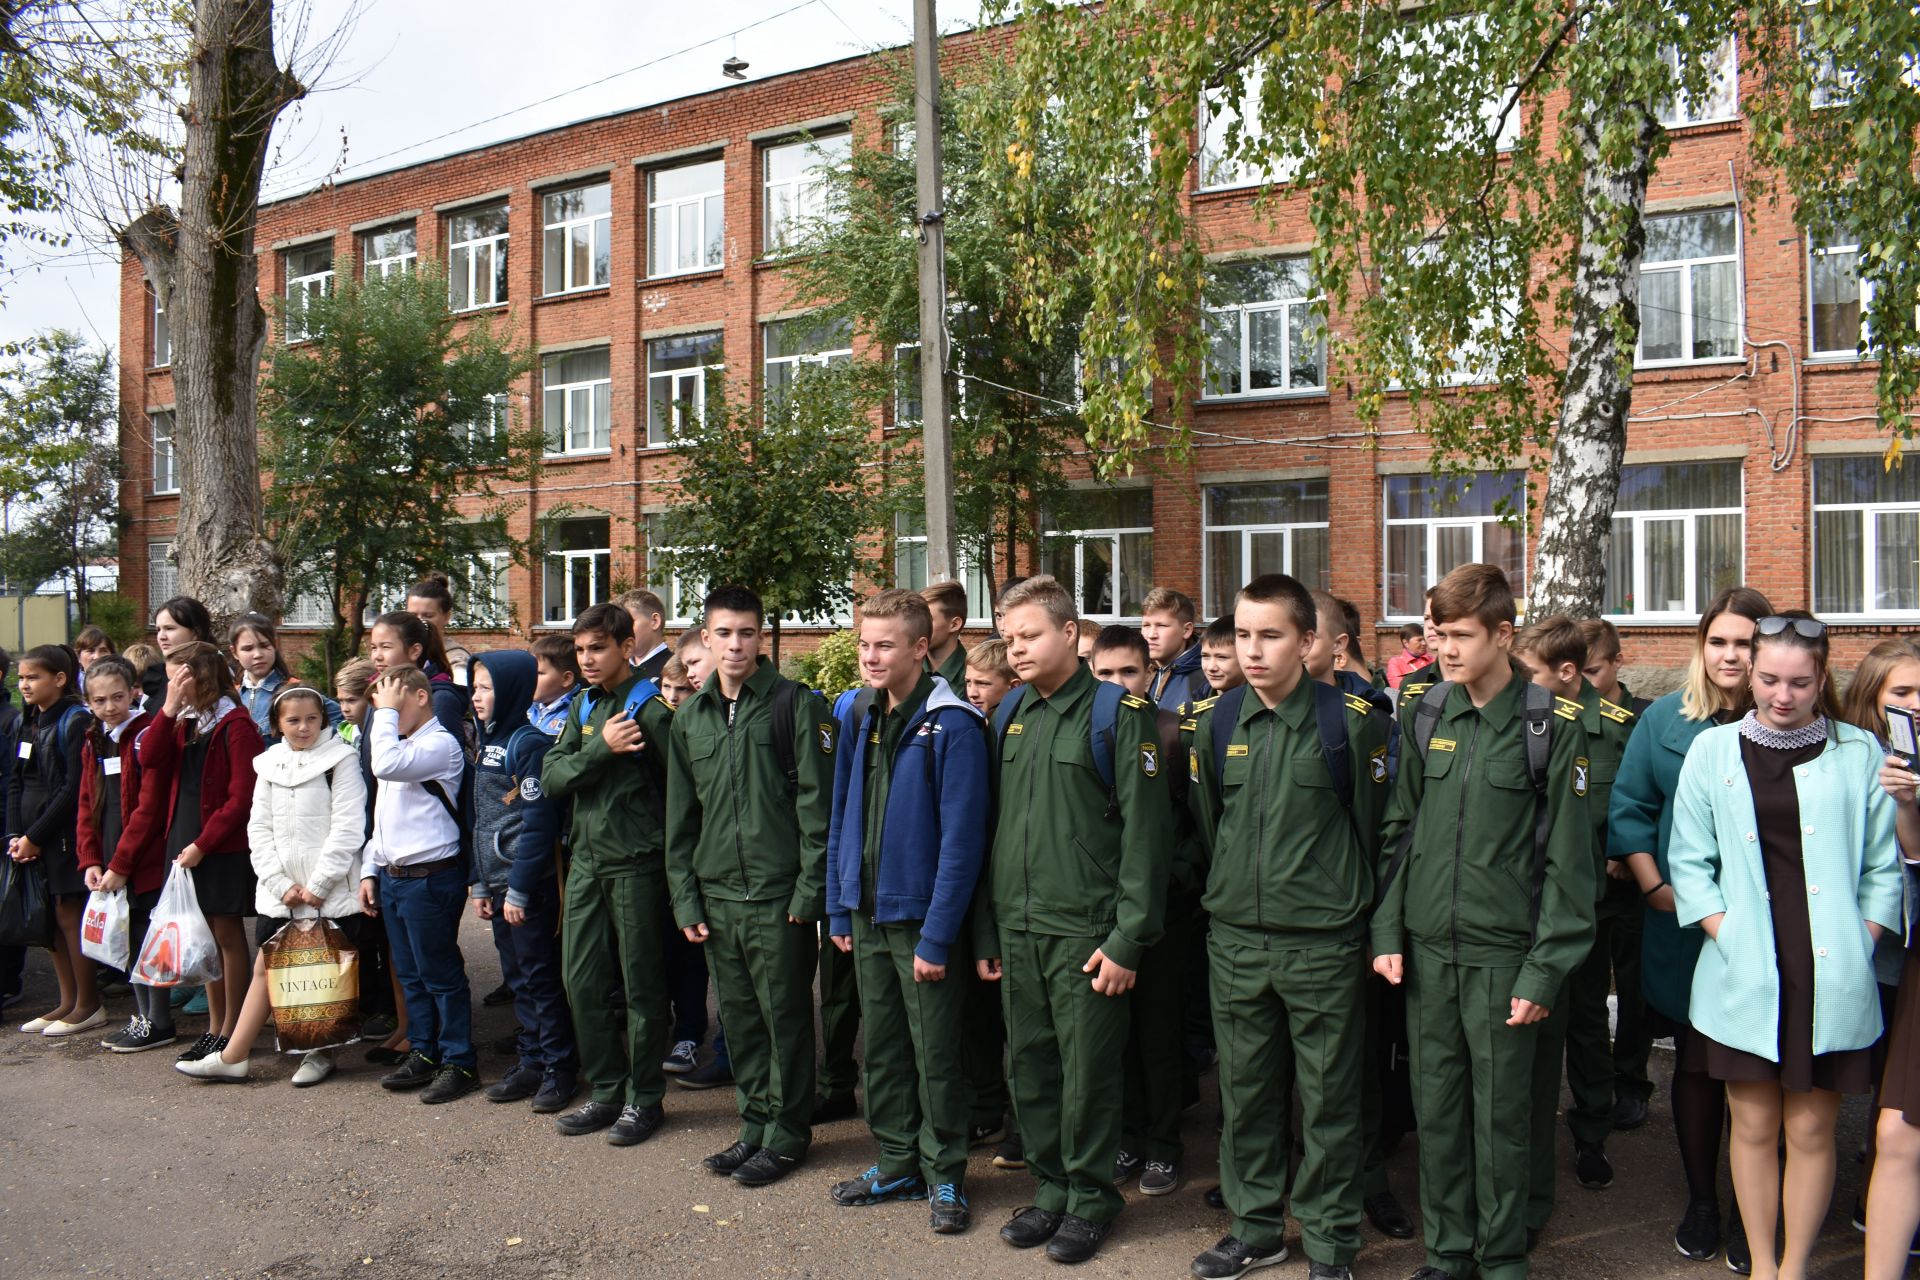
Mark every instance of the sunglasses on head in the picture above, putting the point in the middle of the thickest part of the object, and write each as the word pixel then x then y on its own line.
pixel 1805 628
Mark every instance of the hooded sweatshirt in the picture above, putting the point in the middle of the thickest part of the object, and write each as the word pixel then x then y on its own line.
pixel 498 812
pixel 1180 681
pixel 305 827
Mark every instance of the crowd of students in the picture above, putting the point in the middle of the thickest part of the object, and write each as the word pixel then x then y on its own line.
pixel 1058 875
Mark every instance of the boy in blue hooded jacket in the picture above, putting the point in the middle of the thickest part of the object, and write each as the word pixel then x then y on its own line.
pixel 904 849
pixel 518 700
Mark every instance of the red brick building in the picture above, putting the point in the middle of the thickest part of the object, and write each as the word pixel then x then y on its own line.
pixel 630 249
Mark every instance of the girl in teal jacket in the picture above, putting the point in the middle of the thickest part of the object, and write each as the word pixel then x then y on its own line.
pixel 1783 853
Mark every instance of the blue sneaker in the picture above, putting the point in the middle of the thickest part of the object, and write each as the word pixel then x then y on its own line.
pixel 177 997
pixel 871 1188
pixel 947 1210
pixel 199 1002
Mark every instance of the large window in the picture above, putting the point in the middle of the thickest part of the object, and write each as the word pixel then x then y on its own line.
pixel 1866 537
pixel 1277 526
pixel 1719 100
pixel 1677 539
pixel 486 605
pixel 686 218
pixel 390 251
pixel 681 593
pixel 1444 55
pixel 477 258
pixel 801 343
pixel 1229 122
pixel 910 565
pixel 579 568
pixel 487 429
pixel 1435 524
pixel 1262 335
pixel 578 237
pixel 162 331
pixel 166 462
pixel 163 575
pixel 1840 296
pixel 1690 288
pixel 677 372
pixel 309 276
pixel 1100 547
pixel 796 190
pixel 577 408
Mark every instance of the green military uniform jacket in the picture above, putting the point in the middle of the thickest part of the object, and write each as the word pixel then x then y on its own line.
pixel 1465 893
pixel 1289 867
pixel 1608 726
pixel 735 829
pixel 953 670
pixel 1062 863
pixel 618 825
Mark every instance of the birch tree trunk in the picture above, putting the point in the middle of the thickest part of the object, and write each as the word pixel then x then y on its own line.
pixel 201 261
pixel 1576 522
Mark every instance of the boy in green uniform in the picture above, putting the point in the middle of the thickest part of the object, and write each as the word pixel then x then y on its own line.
pixel 1492 887
pixel 608 763
pixel 1288 790
pixel 1074 895
pixel 946 656
pixel 747 819
pixel 1554 651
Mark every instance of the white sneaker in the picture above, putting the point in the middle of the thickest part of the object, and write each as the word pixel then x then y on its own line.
pixel 212 1067
pixel 313 1068
pixel 98 1018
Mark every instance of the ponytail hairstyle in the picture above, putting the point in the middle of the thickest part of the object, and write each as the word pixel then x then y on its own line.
pixel 1865 705
pixel 191 614
pixel 1828 703
pixel 212 677
pixel 262 627
pixel 60 660
pixel 434 587
pixel 1700 697
pixel 412 631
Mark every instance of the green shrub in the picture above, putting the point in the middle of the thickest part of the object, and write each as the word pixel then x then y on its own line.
pixel 118 616
pixel 833 668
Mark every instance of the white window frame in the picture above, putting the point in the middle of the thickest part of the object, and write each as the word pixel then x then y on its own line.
pixel 701 203
pixel 1860 350
pixel 496 420
pixel 1080 537
pixel 599 232
pixel 402 263
pixel 166 456
pixel 162 331
pixel 1678 112
pixel 1490 107
pixel 667 585
pixel 1868 530
pixel 832 357
pixel 1284 307
pixel 574 562
pixel 979 590
pixel 305 286
pixel 463 268
pixel 1217 115
pixel 566 431
pixel 163 575
pixel 1689 519
pixel 1431 543
pixel 1684 268
pixel 487 604
pixel 801 194
pixel 685 390
pixel 307 611
pixel 1248 532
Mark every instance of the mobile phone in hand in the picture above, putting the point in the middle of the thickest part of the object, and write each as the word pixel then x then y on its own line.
pixel 1902 739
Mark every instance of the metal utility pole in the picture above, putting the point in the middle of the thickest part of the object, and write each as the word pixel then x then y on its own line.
pixel 936 443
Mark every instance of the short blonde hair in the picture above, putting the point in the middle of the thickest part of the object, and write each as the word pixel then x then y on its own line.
pixel 355 678
pixel 990 656
pixel 906 606
pixel 1044 590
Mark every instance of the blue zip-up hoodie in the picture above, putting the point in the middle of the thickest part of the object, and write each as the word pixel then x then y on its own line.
pixel 259 704
pixel 542 819
pixel 1180 682
pixel 935 838
pixel 497 813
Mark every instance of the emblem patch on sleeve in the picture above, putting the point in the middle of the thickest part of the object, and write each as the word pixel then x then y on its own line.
pixel 1377 764
pixel 1580 768
pixel 530 789
pixel 1150 759
pixel 1193 765
pixel 826 739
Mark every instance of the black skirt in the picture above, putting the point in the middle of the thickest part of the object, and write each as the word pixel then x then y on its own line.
pixel 224 883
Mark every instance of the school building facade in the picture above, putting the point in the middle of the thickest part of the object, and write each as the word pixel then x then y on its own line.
pixel 639 254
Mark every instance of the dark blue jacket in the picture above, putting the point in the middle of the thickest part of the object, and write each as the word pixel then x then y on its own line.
pixel 1180 681
pixel 934 841
pixel 497 813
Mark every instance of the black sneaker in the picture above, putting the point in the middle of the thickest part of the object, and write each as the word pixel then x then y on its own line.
pixel 682 1058
pixel 713 1075
pixel 379 1027
pixel 636 1125
pixel 841 1106
pixel 1125 1166
pixel 947 1210
pixel 588 1117
pixel 1159 1178
pixel 556 1091
pixel 140 1037
pixel 725 1162
pixel 199 1048
pixel 1698 1235
pixel 1387 1217
pixel 1327 1271
pixel 1629 1112
pixel 1077 1240
pixel 871 1188
pixel 765 1167
pixel 1233 1256
pixel 517 1085
pixel 415 1071
pixel 1432 1273
pixel 1216 1197
pixel 502 994
pixel 1739 1256
pixel 1009 1154
pixel 450 1082
pixel 1591 1168
pixel 986 1135
pixel 1030 1228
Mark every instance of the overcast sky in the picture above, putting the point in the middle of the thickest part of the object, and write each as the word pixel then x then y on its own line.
pixel 410 73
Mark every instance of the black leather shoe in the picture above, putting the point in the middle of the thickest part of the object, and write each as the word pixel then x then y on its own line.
pixel 636 1125
pixel 1216 1198
pixel 450 1082
pixel 713 1075
pixel 840 1107
pixel 725 1162
pixel 1077 1239
pixel 765 1167
pixel 517 1085
pixel 1629 1112
pixel 588 1117
pixel 1432 1273
pixel 1030 1228
pixel 502 994
pixel 556 1091
pixel 416 1071
pixel 1388 1218
pixel 1591 1168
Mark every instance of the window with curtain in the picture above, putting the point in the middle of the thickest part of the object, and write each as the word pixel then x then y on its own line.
pixel 1435 524
pixel 578 401
pixel 1678 539
pixel 1100 547
pixel 1690 288
pixel 1277 526
pixel 1866 537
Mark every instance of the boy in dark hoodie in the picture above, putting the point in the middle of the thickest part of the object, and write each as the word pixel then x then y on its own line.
pixel 1167 620
pixel 515 829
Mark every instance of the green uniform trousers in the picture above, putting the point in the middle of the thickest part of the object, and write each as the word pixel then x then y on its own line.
pixel 916 1085
pixel 611 940
pixel 762 968
pixel 1472 1083
pixel 1065 1040
pixel 1281 1017
pixel 839 1021
pixel 984 1052
pixel 1156 1049
pixel 1549 1054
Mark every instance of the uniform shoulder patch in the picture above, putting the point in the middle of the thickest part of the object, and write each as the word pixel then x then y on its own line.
pixel 1615 712
pixel 1195 708
pixel 1150 759
pixel 826 734
pixel 1358 704
pixel 1581 769
pixel 1136 703
pixel 1377 764
pixel 1190 726
pixel 1414 690
pixel 1566 710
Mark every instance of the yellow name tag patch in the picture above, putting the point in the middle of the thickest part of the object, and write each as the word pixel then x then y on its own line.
pixel 1013 730
pixel 1236 749
pixel 1440 744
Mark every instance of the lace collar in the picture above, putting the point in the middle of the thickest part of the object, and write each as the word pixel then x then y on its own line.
pixel 1814 731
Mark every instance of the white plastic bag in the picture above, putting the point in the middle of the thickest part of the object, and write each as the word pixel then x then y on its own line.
pixel 179 946
pixel 106 928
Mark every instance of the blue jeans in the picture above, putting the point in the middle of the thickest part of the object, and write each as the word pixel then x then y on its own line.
pixel 530 966
pixel 423 929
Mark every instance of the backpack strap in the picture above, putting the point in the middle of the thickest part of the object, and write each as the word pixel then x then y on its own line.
pixel 1330 713
pixel 785 693
pixel 439 792
pixel 1426 717
pixel 1105 724
pixel 1009 708
pixel 1538 715
pixel 1226 717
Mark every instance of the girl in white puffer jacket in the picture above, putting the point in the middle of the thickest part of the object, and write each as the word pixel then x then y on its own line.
pixel 306 830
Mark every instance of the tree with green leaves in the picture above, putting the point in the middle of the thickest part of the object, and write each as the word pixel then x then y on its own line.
pixel 1459 226
pixel 782 496
pixel 385 434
